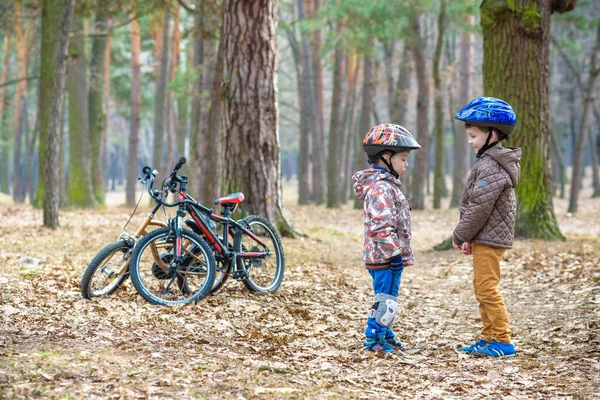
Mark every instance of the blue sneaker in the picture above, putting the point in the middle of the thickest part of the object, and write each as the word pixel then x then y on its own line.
pixel 496 349
pixel 377 345
pixel 477 345
pixel 396 345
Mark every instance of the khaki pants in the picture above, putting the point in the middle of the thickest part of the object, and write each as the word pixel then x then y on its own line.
pixel 486 276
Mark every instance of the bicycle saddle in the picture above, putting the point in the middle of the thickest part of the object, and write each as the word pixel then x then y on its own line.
pixel 234 198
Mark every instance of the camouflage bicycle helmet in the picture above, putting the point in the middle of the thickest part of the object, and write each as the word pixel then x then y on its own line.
pixel 389 137
pixel 489 112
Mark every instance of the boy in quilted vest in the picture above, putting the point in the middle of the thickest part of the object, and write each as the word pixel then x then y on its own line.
pixel 487 216
pixel 387 227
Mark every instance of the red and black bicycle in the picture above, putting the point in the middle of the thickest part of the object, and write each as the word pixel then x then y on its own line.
pixel 172 265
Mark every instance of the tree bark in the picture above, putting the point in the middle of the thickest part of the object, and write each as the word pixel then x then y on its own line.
pixel 160 102
pixel 4 135
pixel 56 23
pixel 399 103
pixel 20 108
pixel 80 166
pixel 136 101
pixel 367 105
pixel 438 184
pixel 421 169
pixel 578 153
pixel 318 173
pixel 516 57
pixel 334 166
pixel 461 146
pixel 594 153
pixel 97 117
pixel 349 127
pixel 198 146
pixel 250 106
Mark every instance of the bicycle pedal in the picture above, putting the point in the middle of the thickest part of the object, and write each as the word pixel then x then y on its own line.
pixel 240 275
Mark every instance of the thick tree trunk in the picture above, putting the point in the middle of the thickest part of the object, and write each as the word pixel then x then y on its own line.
pixel 367 106
pixel 334 165
pixel 516 57
pixel 438 184
pixel 349 127
pixel 107 105
pixel 578 152
pixel 80 166
pixel 97 117
pixel 461 146
pixel 56 23
pixel 4 130
pixel 250 105
pixel 136 101
pixel 400 95
pixel 197 146
pixel 421 169
pixel 160 101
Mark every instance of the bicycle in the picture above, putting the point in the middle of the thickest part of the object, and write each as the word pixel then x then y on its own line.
pixel 255 256
pixel 110 267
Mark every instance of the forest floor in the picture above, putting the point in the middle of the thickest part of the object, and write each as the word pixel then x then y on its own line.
pixel 304 341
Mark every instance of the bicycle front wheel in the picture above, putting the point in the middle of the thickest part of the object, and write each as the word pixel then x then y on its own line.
pixel 262 254
pixel 101 277
pixel 160 281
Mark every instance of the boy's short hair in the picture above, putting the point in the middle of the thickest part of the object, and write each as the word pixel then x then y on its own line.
pixel 483 129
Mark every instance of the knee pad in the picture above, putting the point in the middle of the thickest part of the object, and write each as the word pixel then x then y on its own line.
pixel 384 310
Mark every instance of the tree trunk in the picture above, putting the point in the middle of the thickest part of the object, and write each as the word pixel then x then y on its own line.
pixel 107 104
pixel 348 127
pixel 578 153
pixel 80 166
pixel 595 178
pixel 160 100
pixel 421 169
pixel 97 117
pixel 399 103
pixel 20 107
pixel 461 146
pixel 56 23
pixel 198 146
pixel 516 57
pixel 367 106
pixel 439 112
pixel 136 102
pixel 334 166
pixel 318 173
pixel 250 106
pixel 4 135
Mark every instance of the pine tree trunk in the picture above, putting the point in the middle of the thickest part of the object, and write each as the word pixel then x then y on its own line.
pixel 197 146
pixel 107 105
pixel 97 117
pixel 349 127
pixel 439 112
pixel 578 152
pixel 56 23
pixel 318 173
pixel 400 96
pixel 516 56
pixel 367 106
pixel 80 166
pixel 334 166
pixel 594 153
pixel 136 101
pixel 250 105
pixel 461 146
pixel 421 169
pixel 4 131
pixel 20 108
pixel 160 101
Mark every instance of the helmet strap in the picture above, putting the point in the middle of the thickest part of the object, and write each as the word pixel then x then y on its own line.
pixel 487 144
pixel 387 163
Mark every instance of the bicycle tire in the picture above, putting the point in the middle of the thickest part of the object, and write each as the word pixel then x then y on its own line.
pixel 252 281
pixel 186 294
pixel 99 263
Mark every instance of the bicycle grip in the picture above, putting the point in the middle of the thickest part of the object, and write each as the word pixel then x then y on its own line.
pixel 146 170
pixel 180 163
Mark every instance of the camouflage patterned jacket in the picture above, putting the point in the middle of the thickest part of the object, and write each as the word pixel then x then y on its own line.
pixel 386 218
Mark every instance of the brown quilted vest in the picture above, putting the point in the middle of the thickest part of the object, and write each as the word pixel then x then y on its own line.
pixel 489 207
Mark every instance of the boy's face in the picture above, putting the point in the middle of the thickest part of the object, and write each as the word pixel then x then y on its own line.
pixel 400 162
pixel 477 137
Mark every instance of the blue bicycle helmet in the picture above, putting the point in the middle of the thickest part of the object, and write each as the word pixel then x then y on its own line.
pixel 489 112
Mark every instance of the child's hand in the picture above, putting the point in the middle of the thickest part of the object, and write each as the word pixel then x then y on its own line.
pixel 457 247
pixel 466 249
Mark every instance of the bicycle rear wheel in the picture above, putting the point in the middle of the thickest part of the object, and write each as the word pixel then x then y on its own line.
pixel 264 270
pixel 159 282
pixel 100 277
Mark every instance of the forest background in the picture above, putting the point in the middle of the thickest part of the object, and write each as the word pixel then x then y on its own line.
pixel 273 98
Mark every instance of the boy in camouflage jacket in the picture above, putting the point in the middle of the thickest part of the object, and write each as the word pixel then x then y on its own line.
pixel 387 227
pixel 487 216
